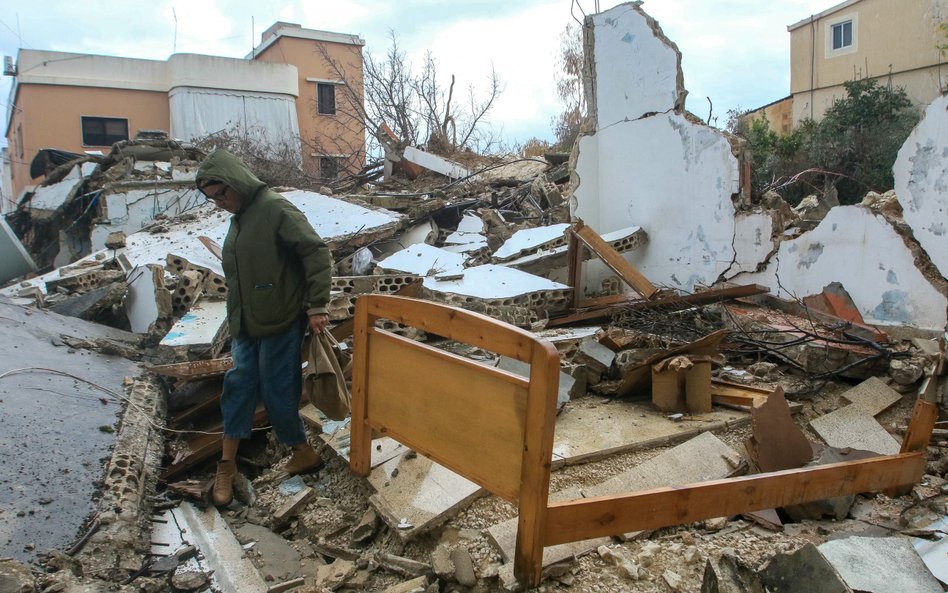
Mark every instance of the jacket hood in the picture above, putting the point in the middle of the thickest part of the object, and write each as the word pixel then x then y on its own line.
pixel 223 166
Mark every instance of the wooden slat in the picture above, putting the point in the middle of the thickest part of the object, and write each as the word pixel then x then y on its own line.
pixel 360 440
pixel 447 407
pixel 454 324
pixel 197 369
pixel 605 301
pixel 699 298
pixel 574 266
pixel 537 458
pixel 736 394
pixel 614 260
pixel 608 515
pixel 920 427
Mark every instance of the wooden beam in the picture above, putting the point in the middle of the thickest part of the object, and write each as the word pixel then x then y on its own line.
pixel 574 266
pixel 609 515
pixel 539 423
pixel 920 428
pixel 699 298
pixel 614 260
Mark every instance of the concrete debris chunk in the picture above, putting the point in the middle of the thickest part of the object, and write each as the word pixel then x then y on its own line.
pixel 463 567
pixel 730 575
pixel 852 427
pixel 804 571
pixel 873 396
pixel 880 565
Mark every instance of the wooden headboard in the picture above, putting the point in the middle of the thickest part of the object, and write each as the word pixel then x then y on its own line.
pixel 495 428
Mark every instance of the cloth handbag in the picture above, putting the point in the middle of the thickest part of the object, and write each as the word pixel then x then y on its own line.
pixel 324 382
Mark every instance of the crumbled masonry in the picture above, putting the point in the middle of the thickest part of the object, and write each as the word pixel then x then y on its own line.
pixel 703 334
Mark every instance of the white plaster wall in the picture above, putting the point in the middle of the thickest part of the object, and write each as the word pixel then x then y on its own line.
pixel 752 241
pixel 921 182
pixel 637 73
pixel 862 251
pixel 130 211
pixel 673 178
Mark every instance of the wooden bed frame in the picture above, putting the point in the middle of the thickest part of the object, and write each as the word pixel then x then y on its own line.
pixel 495 428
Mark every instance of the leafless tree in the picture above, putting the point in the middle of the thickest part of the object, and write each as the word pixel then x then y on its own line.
pixel 418 108
pixel 569 86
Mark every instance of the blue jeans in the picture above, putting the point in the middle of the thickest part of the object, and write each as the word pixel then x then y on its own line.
pixel 266 369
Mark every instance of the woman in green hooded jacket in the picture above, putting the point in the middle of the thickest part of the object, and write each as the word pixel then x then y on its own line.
pixel 278 274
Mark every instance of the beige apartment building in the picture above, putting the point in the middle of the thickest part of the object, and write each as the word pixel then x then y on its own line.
pixel 284 91
pixel 895 42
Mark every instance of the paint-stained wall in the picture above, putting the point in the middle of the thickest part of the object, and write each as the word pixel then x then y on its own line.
pixel 921 182
pixel 652 166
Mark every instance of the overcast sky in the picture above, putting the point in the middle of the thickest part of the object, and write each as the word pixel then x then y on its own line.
pixel 734 51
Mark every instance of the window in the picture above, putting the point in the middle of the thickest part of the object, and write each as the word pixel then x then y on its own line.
pixel 328 167
pixel 326 98
pixel 103 131
pixel 843 35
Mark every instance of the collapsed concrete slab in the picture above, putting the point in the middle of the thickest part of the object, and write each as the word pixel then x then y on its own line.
pixel 646 163
pixel 422 259
pixel 497 287
pixel 883 281
pixel 921 176
pixel 130 207
pixel 60 405
pixel 53 196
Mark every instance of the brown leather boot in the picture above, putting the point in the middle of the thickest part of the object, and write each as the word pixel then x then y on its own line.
pixel 304 459
pixel 223 491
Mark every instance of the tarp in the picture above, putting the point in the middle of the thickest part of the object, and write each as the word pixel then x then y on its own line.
pixel 47 159
pixel 265 117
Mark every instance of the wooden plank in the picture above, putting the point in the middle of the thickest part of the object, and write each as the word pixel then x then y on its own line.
pixel 920 428
pixel 661 507
pixel 604 301
pixel 445 406
pixel 206 444
pixel 735 394
pixel 537 447
pixel 453 323
pixel 614 260
pixel 574 267
pixel 689 300
pixel 197 369
pixel 360 442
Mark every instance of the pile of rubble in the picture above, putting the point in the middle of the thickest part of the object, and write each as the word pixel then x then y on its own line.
pixel 653 381
pixel 676 366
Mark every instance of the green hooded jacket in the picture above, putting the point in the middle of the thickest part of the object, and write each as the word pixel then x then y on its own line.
pixel 275 265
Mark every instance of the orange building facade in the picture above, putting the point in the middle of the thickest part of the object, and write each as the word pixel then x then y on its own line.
pixel 299 86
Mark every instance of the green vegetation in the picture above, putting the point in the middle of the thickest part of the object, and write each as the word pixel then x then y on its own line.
pixel 852 148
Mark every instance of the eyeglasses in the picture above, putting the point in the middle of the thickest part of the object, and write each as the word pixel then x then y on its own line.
pixel 213 196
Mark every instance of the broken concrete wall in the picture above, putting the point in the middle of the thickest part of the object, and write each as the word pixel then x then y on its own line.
pixel 921 182
pixel 861 250
pixel 646 163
